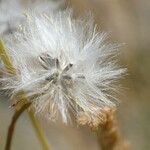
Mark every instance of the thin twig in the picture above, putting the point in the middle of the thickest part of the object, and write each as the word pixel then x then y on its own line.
pixel 11 128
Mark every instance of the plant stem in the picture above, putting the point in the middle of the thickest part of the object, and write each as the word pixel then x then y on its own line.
pixel 38 130
pixel 7 62
pixel 12 125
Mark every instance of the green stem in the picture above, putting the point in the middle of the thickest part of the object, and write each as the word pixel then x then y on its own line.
pixel 38 130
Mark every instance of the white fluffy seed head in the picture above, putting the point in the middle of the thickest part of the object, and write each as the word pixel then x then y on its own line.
pixel 63 65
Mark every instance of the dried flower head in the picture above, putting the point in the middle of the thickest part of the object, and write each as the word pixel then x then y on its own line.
pixel 63 65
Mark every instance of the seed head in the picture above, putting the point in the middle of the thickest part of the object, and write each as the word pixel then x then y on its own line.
pixel 64 66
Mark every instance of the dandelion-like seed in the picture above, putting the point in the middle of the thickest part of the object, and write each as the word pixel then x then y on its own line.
pixel 63 65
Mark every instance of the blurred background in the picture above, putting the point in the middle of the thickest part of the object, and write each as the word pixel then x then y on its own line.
pixel 128 21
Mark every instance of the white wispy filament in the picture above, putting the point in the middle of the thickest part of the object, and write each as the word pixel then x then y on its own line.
pixel 63 65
